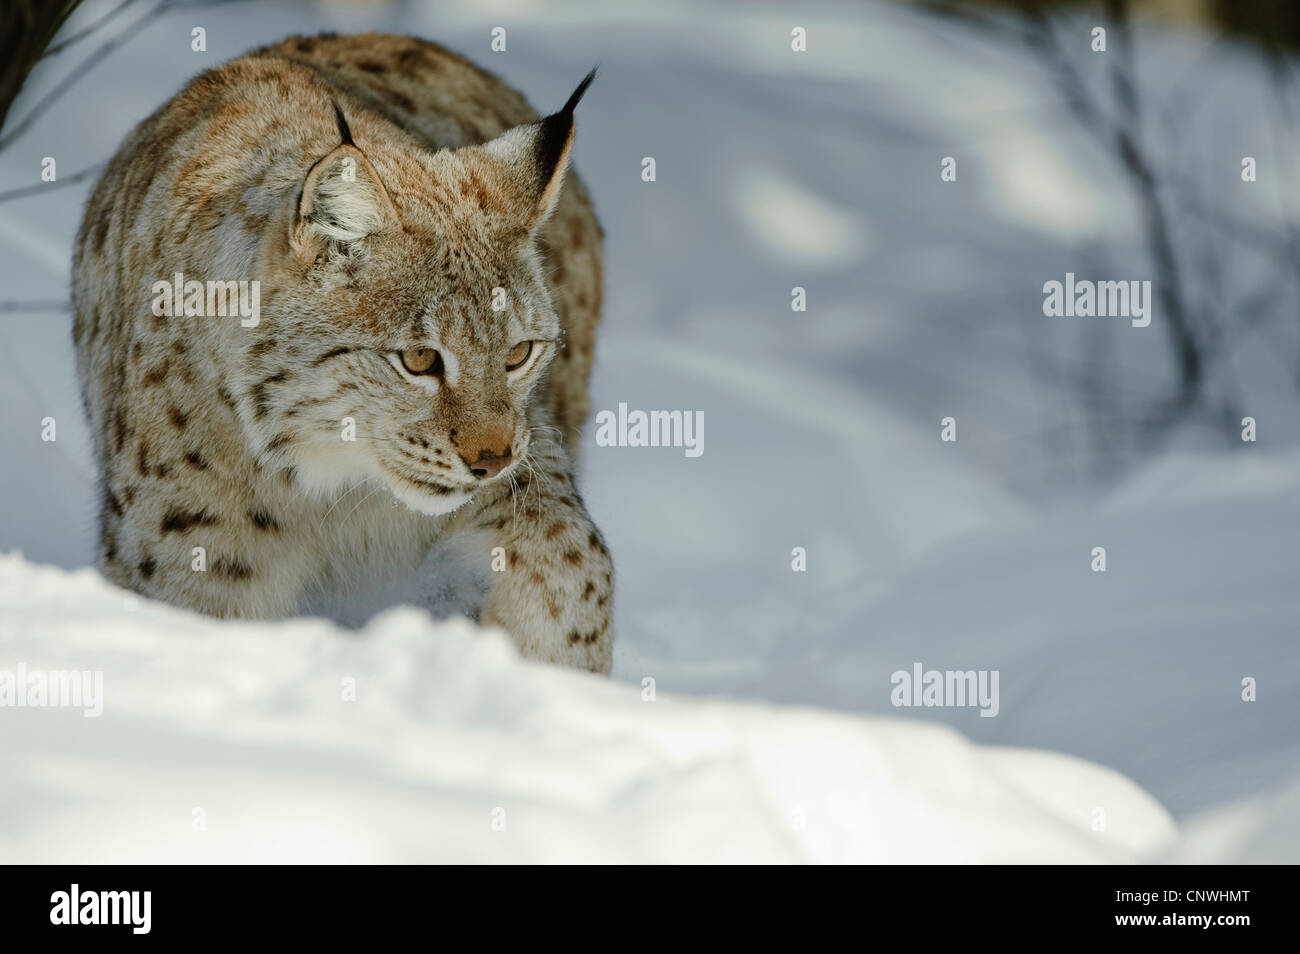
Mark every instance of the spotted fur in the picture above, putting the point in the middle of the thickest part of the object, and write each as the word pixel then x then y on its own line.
pixel 379 188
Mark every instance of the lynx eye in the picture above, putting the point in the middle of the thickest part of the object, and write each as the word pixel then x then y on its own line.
pixel 422 361
pixel 518 355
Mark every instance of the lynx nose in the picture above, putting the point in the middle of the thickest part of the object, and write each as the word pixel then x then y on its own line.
pixel 484 446
pixel 488 464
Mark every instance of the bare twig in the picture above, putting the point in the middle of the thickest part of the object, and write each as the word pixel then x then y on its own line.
pixel 81 69
pixel 39 305
pixel 88 30
pixel 26 29
pixel 73 179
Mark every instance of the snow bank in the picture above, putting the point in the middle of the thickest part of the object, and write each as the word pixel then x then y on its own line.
pixel 225 742
pixel 1262 829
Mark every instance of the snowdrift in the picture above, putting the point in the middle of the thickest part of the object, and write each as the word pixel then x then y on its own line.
pixel 414 742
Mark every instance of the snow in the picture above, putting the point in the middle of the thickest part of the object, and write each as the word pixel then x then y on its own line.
pixel 1122 734
pixel 246 723
pixel 1264 829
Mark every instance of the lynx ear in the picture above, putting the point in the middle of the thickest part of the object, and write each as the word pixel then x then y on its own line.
pixel 342 197
pixel 537 155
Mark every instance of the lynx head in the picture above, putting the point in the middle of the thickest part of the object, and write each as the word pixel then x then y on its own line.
pixel 409 298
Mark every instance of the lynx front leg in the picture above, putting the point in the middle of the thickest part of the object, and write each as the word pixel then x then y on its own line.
pixel 553 581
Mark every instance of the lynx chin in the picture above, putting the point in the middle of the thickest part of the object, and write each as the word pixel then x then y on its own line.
pixel 429 285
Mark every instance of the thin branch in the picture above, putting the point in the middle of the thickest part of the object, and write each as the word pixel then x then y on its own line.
pixel 82 34
pixel 80 70
pixel 37 305
pixel 73 179
pixel 26 28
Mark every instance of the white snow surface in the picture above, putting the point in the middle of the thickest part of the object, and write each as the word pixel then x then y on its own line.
pixel 449 733
pixel 1121 735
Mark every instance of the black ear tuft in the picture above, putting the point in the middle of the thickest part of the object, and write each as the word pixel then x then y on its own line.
pixel 577 93
pixel 556 130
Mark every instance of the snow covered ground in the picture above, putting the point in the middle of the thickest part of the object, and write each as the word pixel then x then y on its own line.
pixel 227 743
pixel 771 734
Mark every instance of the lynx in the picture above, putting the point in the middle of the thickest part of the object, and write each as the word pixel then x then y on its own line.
pixel 427 288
